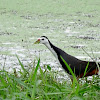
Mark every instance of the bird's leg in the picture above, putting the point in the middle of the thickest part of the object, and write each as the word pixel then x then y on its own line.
pixel 73 80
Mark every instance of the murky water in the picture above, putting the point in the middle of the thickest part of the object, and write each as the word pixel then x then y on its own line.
pixel 71 30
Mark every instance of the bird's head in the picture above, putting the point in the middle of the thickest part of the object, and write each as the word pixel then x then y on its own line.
pixel 43 40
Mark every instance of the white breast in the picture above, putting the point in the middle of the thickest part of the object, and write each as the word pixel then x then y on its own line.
pixel 51 49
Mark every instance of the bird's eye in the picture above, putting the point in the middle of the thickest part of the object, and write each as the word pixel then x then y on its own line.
pixel 42 39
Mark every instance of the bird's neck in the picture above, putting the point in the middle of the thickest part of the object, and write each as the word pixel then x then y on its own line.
pixel 50 47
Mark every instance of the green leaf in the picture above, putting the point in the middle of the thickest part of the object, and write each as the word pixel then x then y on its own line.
pixel 74 77
pixel 48 67
pixel 34 80
pixel 22 66
pixel 86 69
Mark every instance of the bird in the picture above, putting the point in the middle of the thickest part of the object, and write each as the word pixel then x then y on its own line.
pixel 77 66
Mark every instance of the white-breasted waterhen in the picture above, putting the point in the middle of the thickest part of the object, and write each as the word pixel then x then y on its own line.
pixel 78 66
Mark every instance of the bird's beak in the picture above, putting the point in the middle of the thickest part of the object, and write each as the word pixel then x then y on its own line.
pixel 37 42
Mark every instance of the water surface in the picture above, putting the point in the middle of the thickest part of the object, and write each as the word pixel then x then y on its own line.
pixel 70 26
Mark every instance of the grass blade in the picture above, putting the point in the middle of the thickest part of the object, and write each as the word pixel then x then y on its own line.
pixel 34 80
pixel 86 69
pixel 22 66
pixel 35 72
pixel 74 77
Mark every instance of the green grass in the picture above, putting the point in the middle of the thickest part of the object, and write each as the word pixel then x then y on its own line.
pixel 23 19
pixel 36 84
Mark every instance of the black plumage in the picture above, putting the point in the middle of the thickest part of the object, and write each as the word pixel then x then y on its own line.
pixel 78 66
